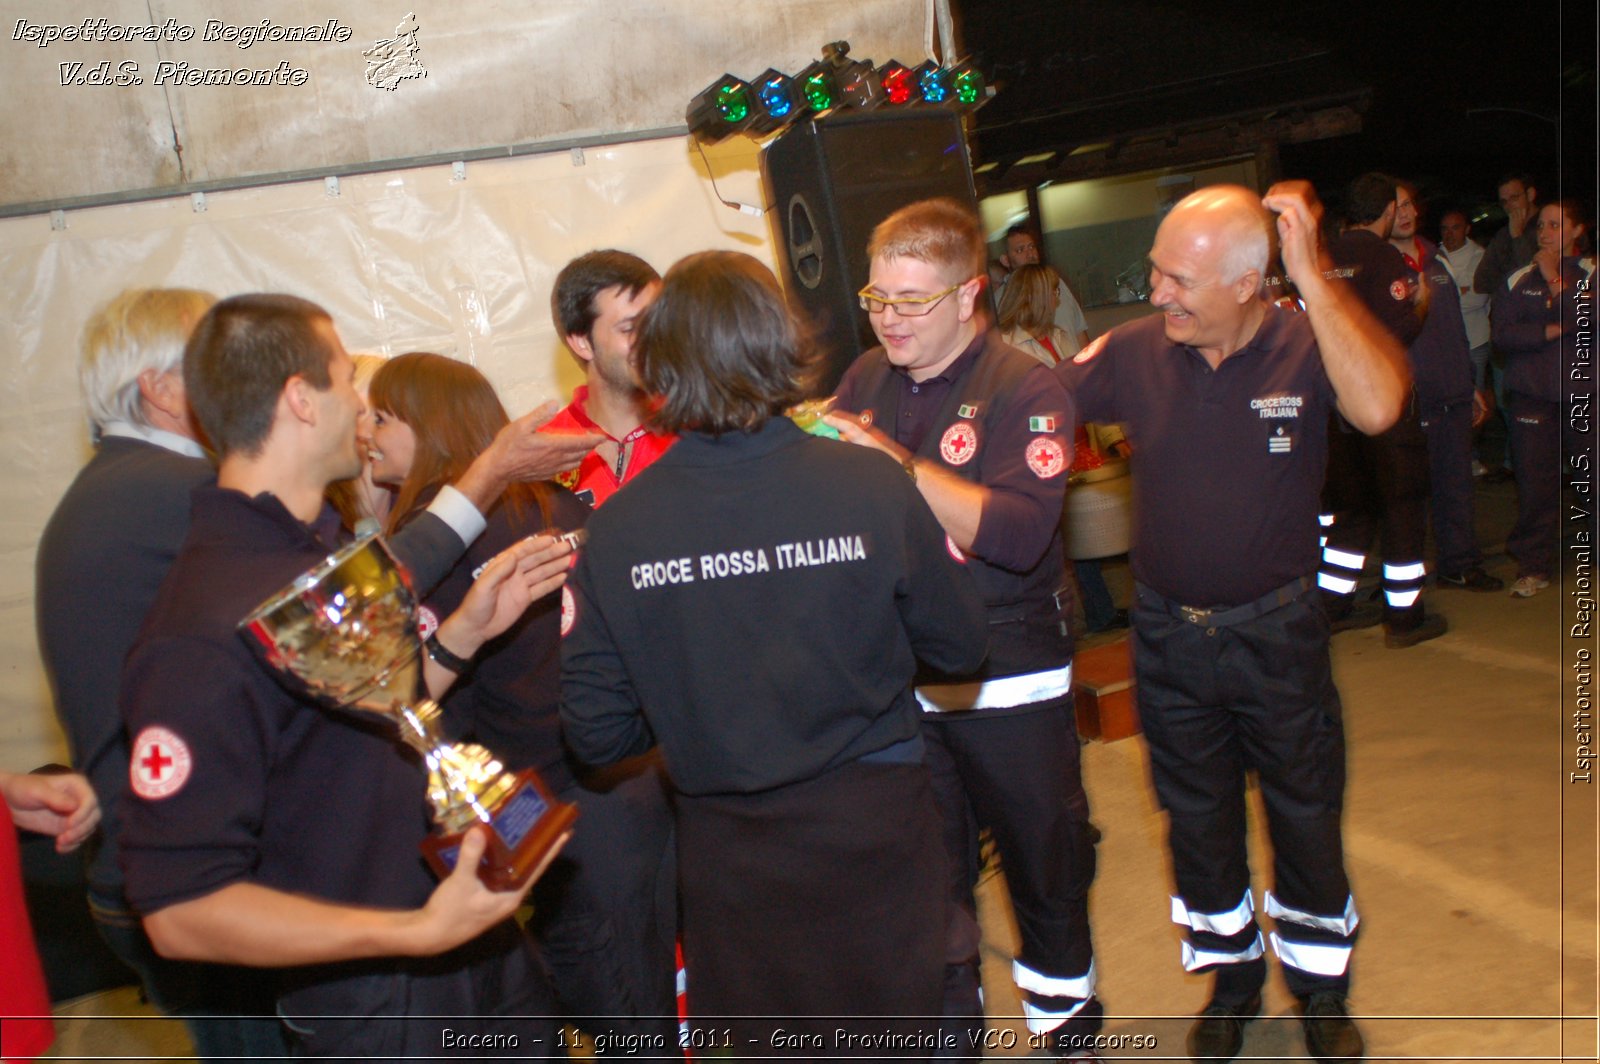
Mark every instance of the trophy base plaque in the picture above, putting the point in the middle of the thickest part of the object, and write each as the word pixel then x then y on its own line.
pixel 524 831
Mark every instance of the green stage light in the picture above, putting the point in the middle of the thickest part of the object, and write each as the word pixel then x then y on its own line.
pixel 721 109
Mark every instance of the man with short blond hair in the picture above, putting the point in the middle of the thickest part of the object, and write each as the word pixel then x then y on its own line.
pixel 985 432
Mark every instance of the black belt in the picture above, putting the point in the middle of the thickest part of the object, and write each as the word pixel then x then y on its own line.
pixel 1222 616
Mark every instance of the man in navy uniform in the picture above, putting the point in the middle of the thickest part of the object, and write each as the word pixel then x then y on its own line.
pixel 985 432
pixel 1377 485
pixel 261 829
pixel 1441 364
pixel 1226 399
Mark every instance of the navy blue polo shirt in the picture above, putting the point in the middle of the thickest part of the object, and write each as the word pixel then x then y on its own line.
pixel 509 702
pixel 1228 463
pixel 1023 511
pixel 232 778
pixel 920 400
pixel 1380 278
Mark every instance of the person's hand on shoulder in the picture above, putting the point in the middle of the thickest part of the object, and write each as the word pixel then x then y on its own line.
pixel 521 451
pixel 514 579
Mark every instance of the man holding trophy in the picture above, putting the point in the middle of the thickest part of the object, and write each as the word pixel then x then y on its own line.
pixel 269 830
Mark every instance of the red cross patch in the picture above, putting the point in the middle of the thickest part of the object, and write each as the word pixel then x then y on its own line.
pixel 959 443
pixel 1045 457
pixel 1095 347
pixel 569 610
pixel 427 621
pixel 160 764
pixel 1399 290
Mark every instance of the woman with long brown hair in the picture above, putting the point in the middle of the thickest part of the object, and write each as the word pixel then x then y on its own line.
pixel 431 416
pixel 603 925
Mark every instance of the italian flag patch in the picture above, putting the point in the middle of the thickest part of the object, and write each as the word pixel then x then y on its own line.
pixel 1041 424
pixel 967 410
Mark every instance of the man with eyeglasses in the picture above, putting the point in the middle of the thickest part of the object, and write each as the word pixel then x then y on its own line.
pixel 985 432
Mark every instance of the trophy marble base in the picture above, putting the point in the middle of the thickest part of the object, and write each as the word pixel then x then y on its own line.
pixel 525 830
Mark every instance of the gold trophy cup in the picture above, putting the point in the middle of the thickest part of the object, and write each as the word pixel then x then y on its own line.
pixel 346 631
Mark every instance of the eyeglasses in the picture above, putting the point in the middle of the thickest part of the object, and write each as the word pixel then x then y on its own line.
pixel 909 307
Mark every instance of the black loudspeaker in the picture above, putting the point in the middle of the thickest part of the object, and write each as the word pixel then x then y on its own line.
pixel 831 182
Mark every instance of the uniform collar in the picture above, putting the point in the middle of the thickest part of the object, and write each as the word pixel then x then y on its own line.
pixel 231 517
pixel 1265 340
pixel 704 449
pixel 961 364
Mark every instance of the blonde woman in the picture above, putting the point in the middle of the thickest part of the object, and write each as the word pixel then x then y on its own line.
pixel 1028 311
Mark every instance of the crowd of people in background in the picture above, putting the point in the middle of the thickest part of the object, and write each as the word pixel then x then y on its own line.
pixel 788 680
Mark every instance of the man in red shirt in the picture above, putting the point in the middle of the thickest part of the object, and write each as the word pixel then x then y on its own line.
pixel 610 946
pixel 597 302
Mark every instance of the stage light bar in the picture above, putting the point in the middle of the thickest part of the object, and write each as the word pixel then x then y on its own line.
pixel 774 99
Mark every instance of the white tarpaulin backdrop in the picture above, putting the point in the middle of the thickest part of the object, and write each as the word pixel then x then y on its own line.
pixel 426 258
pixel 110 114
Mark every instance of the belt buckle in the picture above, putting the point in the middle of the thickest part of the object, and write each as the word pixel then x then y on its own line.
pixel 1194 614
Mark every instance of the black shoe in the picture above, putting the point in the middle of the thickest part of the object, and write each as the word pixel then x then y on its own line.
pixel 1358 615
pixel 1331 1036
pixel 1218 1034
pixel 1119 619
pixel 1474 579
pixel 1430 627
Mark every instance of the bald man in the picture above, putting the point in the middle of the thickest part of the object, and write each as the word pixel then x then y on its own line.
pixel 1226 400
